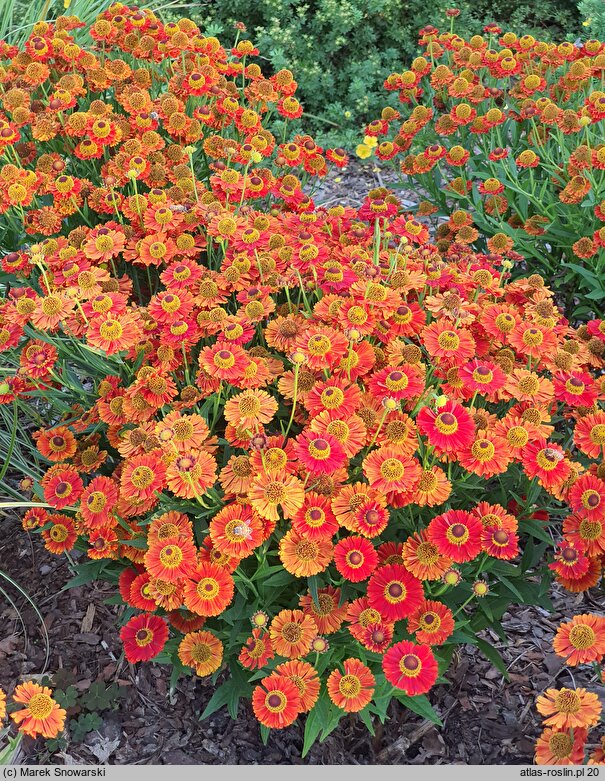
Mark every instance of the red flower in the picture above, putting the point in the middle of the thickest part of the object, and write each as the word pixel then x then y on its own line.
pixel 570 561
pixel 355 558
pixel 432 623
pixel 394 593
pixel 449 428
pixel 256 651
pixel 410 667
pixel 500 542
pixel 483 377
pixel 144 636
pixel 587 497
pixel 376 637
pixel 576 389
pixel 62 486
pixel 456 534
pixel 321 455
pixel 276 703
pixel 315 518
pixel 400 382
pixel 547 462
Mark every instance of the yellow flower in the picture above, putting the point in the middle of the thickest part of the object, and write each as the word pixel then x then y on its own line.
pixel 363 151
pixel 66 4
pixel 587 22
pixel 370 141
pixel 347 115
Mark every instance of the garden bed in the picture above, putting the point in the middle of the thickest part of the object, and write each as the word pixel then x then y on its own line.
pixel 487 720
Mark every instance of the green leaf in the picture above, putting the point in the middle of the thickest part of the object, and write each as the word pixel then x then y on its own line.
pixel 87 573
pixel 229 694
pixel 85 723
pixel 317 718
pixel 217 701
pixel 101 697
pixel 366 716
pixel 264 734
pixel 493 655
pixel 536 529
pixel 313 584
pixel 420 705
pixel 511 586
pixel 66 698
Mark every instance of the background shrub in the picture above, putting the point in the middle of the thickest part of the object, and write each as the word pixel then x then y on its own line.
pixel 592 13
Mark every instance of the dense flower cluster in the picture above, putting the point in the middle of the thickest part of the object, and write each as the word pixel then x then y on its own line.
pixel 569 714
pixel 301 440
pixel 509 129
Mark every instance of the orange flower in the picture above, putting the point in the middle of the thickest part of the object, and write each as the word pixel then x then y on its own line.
pixel 302 556
pixel 304 676
pixel 41 714
pixel 142 477
pixel 569 708
pixel 353 690
pixel 236 531
pixel 423 559
pixel 209 590
pixel 561 747
pixel 388 470
pixel 172 559
pixel 56 444
pixel 452 345
pixel 328 612
pixel 250 408
pixel 156 249
pixel 581 640
pixel 51 310
pixel 269 492
pixel 487 456
pixel 191 474
pixel 113 334
pixel 104 245
pixel 433 488
pixel 201 650
pixel 291 633
pixel 61 536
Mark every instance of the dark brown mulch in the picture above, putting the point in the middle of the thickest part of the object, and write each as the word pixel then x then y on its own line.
pixel 349 186
pixel 487 720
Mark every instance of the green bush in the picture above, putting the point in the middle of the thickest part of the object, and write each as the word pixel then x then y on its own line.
pixel 342 50
pixel 592 13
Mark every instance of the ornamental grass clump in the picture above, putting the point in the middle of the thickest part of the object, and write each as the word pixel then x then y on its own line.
pixel 503 133
pixel 314 452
